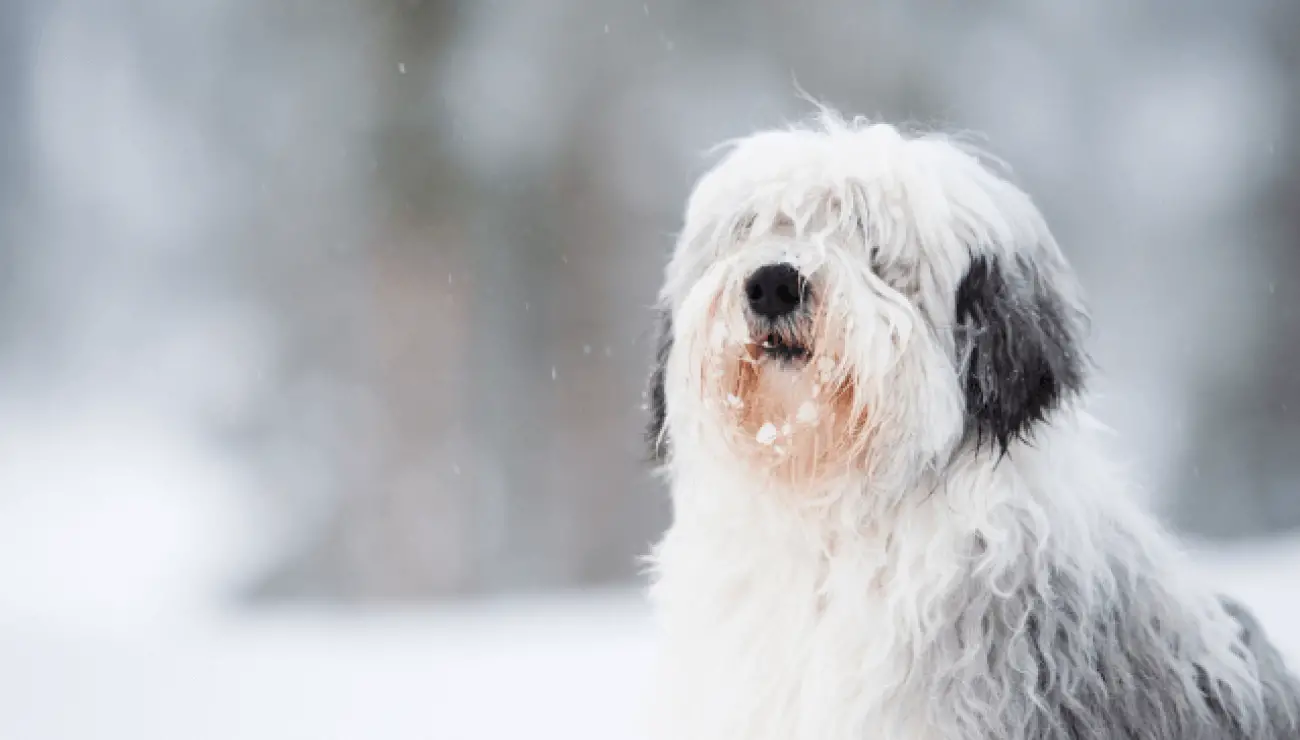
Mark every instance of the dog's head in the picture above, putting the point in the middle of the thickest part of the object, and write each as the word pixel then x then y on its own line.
pixel 848 300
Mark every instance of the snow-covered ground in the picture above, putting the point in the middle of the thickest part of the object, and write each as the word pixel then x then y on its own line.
pixel 563 668
pixel 118 531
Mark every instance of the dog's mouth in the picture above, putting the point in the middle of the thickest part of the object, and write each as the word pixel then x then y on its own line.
pixel 784 349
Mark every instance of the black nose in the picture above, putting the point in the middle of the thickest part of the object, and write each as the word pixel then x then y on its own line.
pixel 774 290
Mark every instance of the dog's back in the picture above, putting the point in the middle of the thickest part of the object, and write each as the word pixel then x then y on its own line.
pixel 1280 687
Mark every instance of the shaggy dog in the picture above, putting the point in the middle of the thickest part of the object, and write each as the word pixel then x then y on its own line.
pixel 891 519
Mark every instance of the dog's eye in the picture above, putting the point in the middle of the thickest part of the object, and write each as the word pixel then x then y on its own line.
pixel 894 271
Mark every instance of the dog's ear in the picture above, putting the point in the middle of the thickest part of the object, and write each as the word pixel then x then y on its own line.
pixel 1020 344
pixel 657 430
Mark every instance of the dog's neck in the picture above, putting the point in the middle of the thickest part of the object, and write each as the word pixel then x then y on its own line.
pixel 856 498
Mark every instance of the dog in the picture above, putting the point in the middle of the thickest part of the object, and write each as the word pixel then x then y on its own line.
pixel 891 515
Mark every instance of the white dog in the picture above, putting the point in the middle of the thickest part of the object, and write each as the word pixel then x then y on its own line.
pixel 891 520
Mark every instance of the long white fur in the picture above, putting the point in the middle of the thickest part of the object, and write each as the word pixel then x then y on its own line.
pixel 891 596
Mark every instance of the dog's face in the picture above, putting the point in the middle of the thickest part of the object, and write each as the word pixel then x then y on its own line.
pixel 847 301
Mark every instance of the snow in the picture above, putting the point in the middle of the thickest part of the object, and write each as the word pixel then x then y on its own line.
pixel 807 413
pixel 115 513
pixel 559 668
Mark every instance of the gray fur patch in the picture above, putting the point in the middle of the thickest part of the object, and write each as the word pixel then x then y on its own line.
pixel 1021 349
pixel 1051 658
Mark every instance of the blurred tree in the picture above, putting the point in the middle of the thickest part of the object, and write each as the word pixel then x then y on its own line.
pixel 15 32
pixel 14 35
pixel 387 351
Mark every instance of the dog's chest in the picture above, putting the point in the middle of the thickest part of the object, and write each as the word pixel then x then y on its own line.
pixel 786 642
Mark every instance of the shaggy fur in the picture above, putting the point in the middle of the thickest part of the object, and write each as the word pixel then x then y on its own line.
pixel 891 520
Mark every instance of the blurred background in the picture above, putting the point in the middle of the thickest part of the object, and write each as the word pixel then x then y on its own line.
pixel 324 323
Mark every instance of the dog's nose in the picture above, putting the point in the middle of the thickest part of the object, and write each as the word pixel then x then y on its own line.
pixel 774 290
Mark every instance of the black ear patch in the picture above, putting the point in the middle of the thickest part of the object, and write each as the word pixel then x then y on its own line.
pixel 656 430
pixel 1020 344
